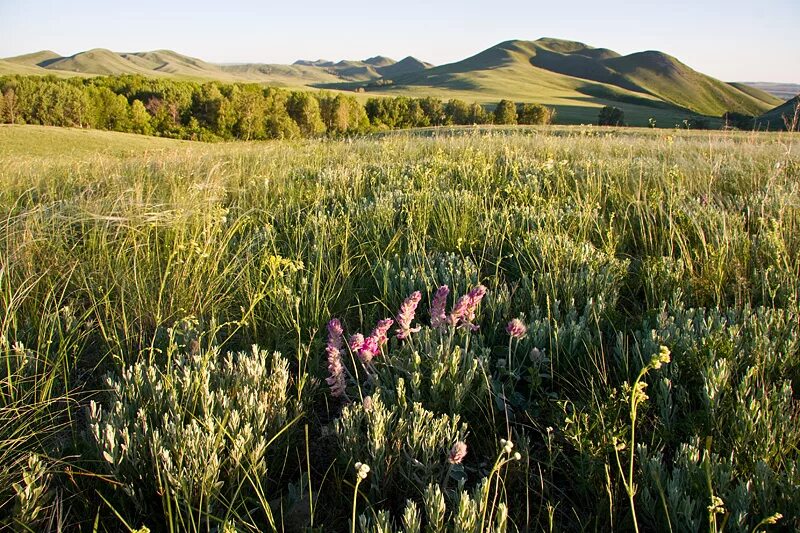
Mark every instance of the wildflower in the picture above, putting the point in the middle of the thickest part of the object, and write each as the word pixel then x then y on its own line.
pixel 335 332
pixel 507 446
pixel 369 349
pixel 362 470
pixel 662 358
pixel 459 311
pixel 336 379
pixel 457 453
pixel 366 403
pixel 381 328
pixel 517 329
pixel 406 316
pixel 438 316
pixel 356 342
pixel 463 313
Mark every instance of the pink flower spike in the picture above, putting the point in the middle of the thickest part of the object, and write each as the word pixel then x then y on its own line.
pixel 336 379
pixel 463 313
pixel 459 311
pixel 380 331
pixel 438 315
pixel 516 329
pixel 335 333
pixel 406 316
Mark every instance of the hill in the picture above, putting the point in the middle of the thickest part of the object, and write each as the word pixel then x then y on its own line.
pixel 775 119
pixel 45 141
pixel 574 78
pixel 539 67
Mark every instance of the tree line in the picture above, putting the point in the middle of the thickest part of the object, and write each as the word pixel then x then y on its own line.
pixel 215 111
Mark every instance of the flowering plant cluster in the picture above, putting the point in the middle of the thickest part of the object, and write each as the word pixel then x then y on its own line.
pixel 366 349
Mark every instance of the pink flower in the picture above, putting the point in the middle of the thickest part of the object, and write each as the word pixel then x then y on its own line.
pixel 356 342
pixel 475 296
pixel 438 316
pixel 463 313
pixel 457 453
pixel 336 379
pixel 516 329
pixel 335 333
pixel 459 311
pixel 369 349
pixel 380 331
pixel 406 316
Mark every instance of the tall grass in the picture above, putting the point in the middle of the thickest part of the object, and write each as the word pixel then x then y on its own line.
pixel 607 246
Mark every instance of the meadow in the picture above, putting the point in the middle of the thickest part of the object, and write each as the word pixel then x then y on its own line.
pixel 593 329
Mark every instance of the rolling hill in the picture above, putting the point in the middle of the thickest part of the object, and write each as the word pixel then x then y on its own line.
pixel 574 78
pixel 776 118
pixel 636 78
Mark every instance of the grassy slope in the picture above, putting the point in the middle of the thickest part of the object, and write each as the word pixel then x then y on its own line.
pixel 774 119
pixel 671 80
pixel 46 141
pixel 505 71
pixel 758 93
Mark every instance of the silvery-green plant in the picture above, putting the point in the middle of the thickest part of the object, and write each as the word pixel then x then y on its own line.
pixel 406 445
pixel 31 495
pixel 196 435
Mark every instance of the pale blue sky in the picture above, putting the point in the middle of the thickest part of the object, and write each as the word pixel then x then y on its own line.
pixel 733 40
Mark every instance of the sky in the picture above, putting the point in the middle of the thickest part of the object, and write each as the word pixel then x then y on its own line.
pixel 734 40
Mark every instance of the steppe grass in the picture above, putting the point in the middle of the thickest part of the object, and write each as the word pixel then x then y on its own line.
pixel 144 289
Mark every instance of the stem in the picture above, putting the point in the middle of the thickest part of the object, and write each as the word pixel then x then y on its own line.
pixel 355 500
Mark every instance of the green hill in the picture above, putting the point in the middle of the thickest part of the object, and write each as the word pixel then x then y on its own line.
pixel 547 66
pixel 34 59
pixel 775 119
pixel 575 78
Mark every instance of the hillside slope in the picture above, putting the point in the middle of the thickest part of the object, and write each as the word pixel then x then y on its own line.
pixel 553 63
pixel 775 119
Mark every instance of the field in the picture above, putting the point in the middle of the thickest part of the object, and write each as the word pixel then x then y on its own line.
pixel 618 347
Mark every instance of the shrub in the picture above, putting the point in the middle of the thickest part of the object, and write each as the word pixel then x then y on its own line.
pixel 611 116
pixel 505 113
pixel 196 435
pixel 533 114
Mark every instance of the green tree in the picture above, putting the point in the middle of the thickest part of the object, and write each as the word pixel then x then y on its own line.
pixel 457 112
pixel 505 112
pixel 140 119
pixel 277 122
pixel 611 116
pixel 477 114
pixel 211 109
pixel 533 114
pixel 434 110
pixel 110 111
pixel 303 107
pixel 249 107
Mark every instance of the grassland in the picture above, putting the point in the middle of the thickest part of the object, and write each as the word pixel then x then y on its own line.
pixel 655 274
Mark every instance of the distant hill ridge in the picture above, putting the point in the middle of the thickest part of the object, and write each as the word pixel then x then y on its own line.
pixel 553 71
